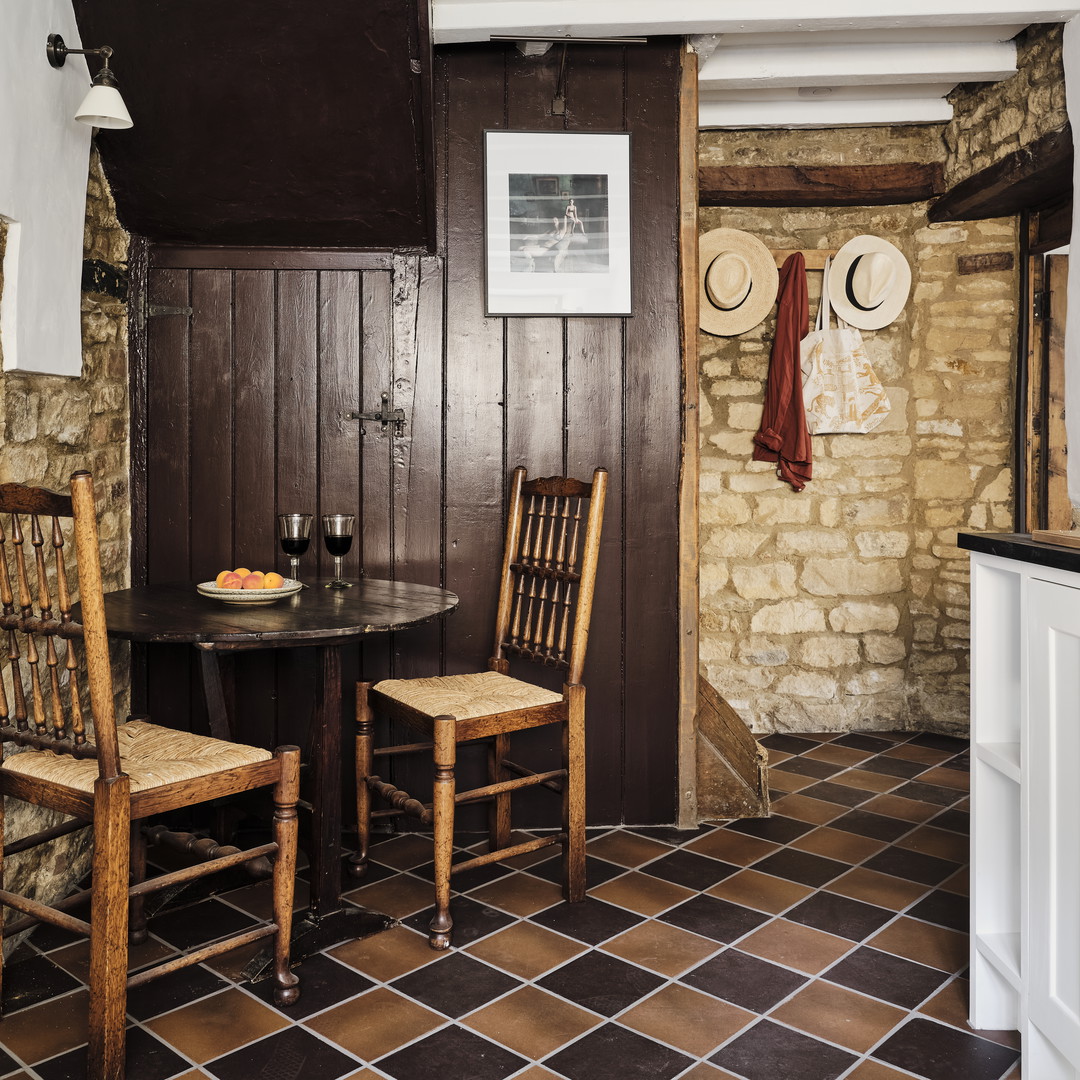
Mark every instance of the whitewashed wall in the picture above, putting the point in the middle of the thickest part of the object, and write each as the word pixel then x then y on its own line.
pixel 44 156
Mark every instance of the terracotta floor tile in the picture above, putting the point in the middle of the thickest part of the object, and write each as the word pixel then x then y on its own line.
pixel 526 950
pixel 786 781
pixel 884 890
pixel 537 1072
pixel 950 1006
pixel 213 1026
pixel 761 891
pixel 233 963
pixel 626 848
pixel 875 1070
pixel 913 752
pixel 520 894
pixel 687 1019
pixel 76 958
pixel 402 852
pixel 258 899
pixel 839 1015
pixel 805 809
pixel 835 844
pixel 795 946
pixel 732 847
pixel 665 949
pixel 387 955
pixel 44 1030
pixel 642 893
pixel 767 1051
pixel 397 897
pixel 934 946
pixel 868 781
pixel 959 883
pixel 938 842
pixel 839 755
pixel 951 778
pixel 704 1071
pixel 531 1022
pixel 375 1023
pixel 897 807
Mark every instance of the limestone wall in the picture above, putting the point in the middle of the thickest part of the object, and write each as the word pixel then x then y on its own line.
pixel 992 121
pixel 845 605
pixel 49 427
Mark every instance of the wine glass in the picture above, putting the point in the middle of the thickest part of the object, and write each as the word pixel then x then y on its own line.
pixel 294 534
pixel 337 533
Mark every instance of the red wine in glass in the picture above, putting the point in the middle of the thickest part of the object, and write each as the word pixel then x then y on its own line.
pixel 337 535
pixel 294 535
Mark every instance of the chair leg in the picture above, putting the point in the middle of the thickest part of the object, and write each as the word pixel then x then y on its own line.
pixel 286 794
pixel 574 883
pixel 109 919
pixel 443 810
pixel 365 745
pixel 137 915
pixel 499 807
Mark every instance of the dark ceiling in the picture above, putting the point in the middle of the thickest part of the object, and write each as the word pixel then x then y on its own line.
pixel 274 123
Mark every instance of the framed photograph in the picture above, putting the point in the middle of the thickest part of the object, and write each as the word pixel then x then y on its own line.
pixel 557 223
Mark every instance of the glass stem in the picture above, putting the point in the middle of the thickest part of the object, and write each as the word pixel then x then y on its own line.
pixel 294 567
pixel 337 567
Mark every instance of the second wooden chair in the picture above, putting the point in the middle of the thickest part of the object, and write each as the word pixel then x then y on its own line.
pixel 545 604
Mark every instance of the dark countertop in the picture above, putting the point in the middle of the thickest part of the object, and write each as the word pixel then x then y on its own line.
pixel 1021 547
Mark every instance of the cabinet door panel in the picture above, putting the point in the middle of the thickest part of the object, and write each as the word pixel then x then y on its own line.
pixel 1053 947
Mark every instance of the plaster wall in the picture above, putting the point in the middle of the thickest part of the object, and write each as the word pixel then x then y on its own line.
pixel 42 188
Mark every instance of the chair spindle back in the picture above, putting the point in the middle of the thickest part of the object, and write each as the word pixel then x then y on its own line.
pixel 47 687
pixel 549 570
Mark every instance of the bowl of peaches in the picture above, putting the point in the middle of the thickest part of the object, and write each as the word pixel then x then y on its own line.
pixel 244 586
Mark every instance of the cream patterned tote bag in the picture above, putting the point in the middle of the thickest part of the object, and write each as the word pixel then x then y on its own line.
pixel 841 393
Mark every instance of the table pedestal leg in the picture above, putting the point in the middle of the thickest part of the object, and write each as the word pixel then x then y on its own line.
pixel 326 796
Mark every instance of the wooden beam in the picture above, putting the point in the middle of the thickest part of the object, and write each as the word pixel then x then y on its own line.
pixel 1032 176
pixel 819 185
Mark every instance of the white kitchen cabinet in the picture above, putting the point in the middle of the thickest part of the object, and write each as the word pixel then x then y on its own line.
pixel 1025 798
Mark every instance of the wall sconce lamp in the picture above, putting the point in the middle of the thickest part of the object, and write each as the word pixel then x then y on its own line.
pixel 103 107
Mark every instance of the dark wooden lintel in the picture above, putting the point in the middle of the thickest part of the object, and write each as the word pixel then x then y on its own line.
pixel 185 257
pixel 1034 175
pixel 819 185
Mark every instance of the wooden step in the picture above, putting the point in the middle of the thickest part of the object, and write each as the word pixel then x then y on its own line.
pixel 732 766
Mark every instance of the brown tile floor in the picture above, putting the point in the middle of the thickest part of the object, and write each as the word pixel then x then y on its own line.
pixel 826 942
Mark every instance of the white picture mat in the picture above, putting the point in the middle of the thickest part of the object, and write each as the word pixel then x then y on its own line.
pixel 556 153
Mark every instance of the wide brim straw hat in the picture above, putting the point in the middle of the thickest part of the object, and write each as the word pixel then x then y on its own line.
pixel 738 281
pixel 869 282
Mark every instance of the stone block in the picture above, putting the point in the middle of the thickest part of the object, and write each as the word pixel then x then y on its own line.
pixel 745 415
pixel 791 508
pixel 857 617
pixel 884 648
pixel 850 577
pixel 875 681
pixel 829 651
pixel 944 480
pixel 810 541
pixel 764 581
pixel 723 508
pixel 892 545
pixel 807 684
pixel 788 617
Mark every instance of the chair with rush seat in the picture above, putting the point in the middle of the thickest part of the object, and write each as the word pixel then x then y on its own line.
pixel 545 601
pixel 56 704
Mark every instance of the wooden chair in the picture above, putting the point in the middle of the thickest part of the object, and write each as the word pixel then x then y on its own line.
pixel 545 602
pixel 56 701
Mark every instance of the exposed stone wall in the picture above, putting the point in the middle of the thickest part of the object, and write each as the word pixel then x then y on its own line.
pixel 992 121
pixel 49 427
pixel 846 605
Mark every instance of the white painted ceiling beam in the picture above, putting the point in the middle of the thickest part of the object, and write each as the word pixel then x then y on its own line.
pixel 828 64
pixel 823 113
pixel 475 20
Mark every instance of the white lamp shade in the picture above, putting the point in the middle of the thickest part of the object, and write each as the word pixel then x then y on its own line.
pixel 103 107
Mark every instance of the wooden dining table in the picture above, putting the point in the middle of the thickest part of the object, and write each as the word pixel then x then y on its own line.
pixel 316 617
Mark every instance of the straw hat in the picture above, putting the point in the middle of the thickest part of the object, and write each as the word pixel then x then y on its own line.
pixel 738 281
pixel 869 282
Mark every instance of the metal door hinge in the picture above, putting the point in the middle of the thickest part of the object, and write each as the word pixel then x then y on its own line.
pixel 384 416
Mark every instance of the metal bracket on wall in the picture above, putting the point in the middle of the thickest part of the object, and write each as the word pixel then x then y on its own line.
pixel 385 415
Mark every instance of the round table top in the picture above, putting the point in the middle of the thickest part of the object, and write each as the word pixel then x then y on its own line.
pixel 175 612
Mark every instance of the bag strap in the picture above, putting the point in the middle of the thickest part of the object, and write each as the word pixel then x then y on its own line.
pixel 823 307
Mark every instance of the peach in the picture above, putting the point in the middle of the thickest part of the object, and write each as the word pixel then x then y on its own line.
pixel 254 580
pixel 221 577
pixel 229 580
pixel 273 581
pixel 243 572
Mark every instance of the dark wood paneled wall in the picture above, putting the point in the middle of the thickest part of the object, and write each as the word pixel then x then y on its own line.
pixel 243 403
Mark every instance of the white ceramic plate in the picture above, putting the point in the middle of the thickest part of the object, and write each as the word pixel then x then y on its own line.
pixel 249 596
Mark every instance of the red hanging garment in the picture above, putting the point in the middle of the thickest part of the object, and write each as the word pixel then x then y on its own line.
pixel 783 436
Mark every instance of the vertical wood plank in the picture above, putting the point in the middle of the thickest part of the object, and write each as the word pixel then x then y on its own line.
pixel 169 670
pixel 254 446
pixel 652 419
pixel 1058 505
pixel 594 434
